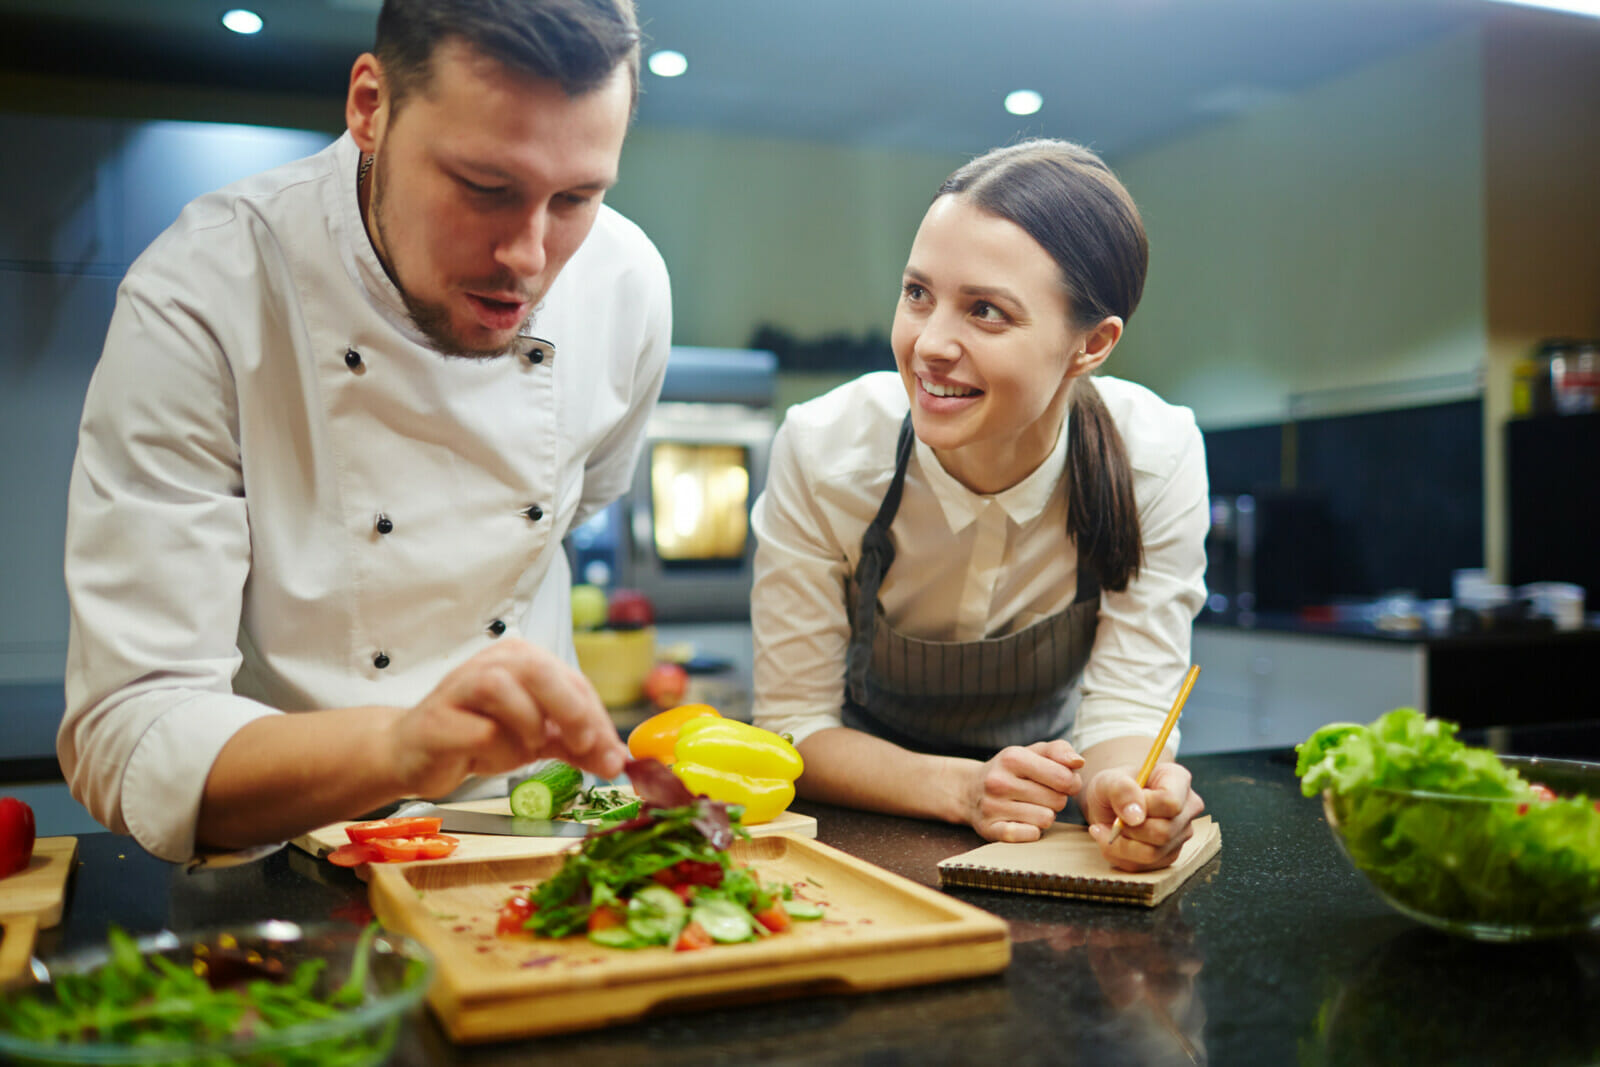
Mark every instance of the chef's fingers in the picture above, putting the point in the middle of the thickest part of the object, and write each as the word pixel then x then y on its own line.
pixel 566 700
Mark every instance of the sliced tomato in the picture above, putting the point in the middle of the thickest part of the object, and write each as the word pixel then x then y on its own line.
pixel 774 918
pixel 691 937
pixel 417 847
pixel 514 913
pixel 406 826
pixel 605 918
pixel 354 855
pixel 1542 791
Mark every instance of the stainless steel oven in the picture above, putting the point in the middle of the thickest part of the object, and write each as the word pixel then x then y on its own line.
pixel 682 534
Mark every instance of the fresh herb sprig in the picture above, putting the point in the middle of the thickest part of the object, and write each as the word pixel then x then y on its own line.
pixel 603 803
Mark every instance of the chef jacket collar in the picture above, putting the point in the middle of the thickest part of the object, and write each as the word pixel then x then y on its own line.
pixel 1022 502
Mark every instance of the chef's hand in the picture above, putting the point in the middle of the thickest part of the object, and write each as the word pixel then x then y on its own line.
pixel 1016 795
pixel 1155 819
pixel 507 706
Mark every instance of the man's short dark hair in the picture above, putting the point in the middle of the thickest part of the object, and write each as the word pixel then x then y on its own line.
pixel 578 43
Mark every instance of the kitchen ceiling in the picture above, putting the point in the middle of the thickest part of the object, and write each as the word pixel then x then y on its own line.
pixel 926 75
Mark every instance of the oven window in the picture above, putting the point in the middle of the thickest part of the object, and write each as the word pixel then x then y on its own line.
pixel 700 497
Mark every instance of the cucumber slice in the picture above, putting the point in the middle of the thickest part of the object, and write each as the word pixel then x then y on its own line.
pixel 548 792
pixel 724 920
pixel 656 914
pixel 802 909
pixel 616 937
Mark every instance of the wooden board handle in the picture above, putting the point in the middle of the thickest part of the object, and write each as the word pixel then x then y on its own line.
pixel 16 947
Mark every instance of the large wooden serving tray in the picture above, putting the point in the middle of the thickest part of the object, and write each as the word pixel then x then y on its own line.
pixel 879 931
pixel 324 840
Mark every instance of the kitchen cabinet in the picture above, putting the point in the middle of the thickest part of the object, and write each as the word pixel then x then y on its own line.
pixel 1262 689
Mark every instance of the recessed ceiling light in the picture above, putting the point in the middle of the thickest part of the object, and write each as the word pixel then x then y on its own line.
pixel 667 63
pixel 241 21
pixel 1023 102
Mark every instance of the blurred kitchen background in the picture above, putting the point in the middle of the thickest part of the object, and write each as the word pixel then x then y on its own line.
pixel 1375 278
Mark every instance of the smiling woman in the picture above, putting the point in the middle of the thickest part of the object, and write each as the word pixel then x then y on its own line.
pixel 910 566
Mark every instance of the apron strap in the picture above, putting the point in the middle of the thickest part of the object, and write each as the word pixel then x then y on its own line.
pixel 877 552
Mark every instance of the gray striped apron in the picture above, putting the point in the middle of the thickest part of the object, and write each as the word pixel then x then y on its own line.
pixel 962 698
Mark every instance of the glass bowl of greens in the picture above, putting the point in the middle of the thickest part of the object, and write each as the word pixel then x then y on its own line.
pixel 279 993
pixel 1496 848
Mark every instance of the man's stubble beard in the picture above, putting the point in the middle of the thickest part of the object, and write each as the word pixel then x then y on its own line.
pixel 433 320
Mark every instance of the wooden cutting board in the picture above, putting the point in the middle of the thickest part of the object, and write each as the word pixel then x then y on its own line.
pixel 31 900
pixel 322 841
pixel 879 931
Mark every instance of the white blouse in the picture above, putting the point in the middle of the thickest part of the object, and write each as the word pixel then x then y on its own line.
pixel 969 566
pixel 284 499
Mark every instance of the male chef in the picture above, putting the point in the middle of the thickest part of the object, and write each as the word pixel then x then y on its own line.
pixel 345 412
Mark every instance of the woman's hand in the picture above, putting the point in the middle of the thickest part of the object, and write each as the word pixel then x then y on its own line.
pixel 1155 819
pixel 1016 795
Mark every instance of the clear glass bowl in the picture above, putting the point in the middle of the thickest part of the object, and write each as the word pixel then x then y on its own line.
pixel 399 972
pixel 1468 865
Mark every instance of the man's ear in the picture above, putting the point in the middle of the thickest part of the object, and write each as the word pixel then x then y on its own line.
pixel 366 107
pixel 1097 345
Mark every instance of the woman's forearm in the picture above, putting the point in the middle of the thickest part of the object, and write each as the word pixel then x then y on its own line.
pixel 854 769
pixel 1119 752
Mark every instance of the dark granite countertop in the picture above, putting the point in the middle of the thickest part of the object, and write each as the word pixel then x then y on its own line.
pixel 1275 953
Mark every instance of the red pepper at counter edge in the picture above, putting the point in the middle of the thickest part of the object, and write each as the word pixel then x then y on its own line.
pixel 16 835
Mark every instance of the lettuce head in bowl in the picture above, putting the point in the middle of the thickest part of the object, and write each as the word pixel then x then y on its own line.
pixel 1498 848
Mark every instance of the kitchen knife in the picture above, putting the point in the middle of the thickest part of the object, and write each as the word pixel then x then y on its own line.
pixel 486 822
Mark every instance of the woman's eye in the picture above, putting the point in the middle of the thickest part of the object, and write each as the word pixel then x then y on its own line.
pixel 912 291
pixel 987 312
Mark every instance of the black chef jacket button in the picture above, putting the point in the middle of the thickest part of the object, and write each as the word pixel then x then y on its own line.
pixel 380 661
pixel 536 355
pixel 384 524
pixel 352 358
pixel 497 627
pixel 535 513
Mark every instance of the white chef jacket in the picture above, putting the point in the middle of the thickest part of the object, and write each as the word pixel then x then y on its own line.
pixel 263 411
pixel 969 566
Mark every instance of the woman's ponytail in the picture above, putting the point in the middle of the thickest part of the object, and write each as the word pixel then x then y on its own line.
pixel 1102 515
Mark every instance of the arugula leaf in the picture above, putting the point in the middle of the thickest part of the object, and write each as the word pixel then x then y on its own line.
pixel 150 1000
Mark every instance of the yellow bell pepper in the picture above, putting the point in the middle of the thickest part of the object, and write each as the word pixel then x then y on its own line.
pixel 739 764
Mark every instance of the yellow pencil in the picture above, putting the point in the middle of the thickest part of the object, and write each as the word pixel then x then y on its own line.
pixel 1161 741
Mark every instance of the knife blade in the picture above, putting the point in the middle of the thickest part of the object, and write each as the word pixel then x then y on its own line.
pixel 487 822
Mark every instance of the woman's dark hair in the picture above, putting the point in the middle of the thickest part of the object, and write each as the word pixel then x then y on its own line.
pixel 1068 200
pixel 575 42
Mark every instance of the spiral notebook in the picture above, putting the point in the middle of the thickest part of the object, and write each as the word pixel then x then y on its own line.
pixel 1066 862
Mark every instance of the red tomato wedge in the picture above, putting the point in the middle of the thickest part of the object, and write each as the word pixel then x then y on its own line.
pixel 353 855
pixel 513 914
pixel 416 847
pixel 774 918
pixel 691 937
pixel 406 826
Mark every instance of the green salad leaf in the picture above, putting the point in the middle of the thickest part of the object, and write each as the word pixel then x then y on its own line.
pixel 149 1000
pixel 1525 861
